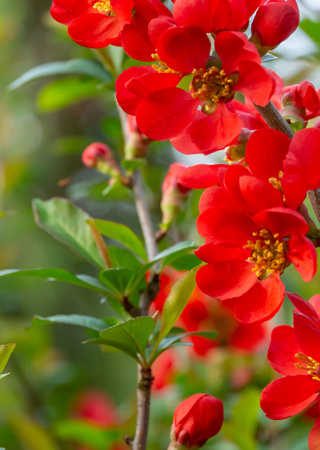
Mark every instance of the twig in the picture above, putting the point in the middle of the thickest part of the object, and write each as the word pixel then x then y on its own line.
pixel 274 119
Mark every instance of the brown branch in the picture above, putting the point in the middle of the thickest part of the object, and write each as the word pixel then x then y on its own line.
pixel 274 119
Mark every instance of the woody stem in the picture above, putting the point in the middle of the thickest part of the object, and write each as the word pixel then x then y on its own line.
pixel 274 119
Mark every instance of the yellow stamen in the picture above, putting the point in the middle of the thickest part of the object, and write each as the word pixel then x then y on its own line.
pixel 210 86
pixel 276 183
pixel 268 253
pixel 104 7
pixel 160 66
pixel 310 365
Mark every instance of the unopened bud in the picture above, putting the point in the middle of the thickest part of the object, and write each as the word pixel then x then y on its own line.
pixel 137 143
pixel 274 22
pixel 174 196
pixel 197 419
pixel 99 156
pixel 237 151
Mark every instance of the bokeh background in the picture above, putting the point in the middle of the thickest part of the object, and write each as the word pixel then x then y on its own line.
pixel 44 127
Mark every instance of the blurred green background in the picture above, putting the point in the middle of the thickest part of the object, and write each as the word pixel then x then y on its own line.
pixel 44 127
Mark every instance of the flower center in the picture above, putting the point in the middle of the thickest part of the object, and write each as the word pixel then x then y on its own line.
pixel 160 66
pixel 311 365
pixel 104 7
pixel 210 86
pixel 268 253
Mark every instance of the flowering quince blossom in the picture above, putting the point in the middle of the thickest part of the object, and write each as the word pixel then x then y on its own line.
pixel 294 352
pixel 91 23
pixel 195 420
pixel 165 111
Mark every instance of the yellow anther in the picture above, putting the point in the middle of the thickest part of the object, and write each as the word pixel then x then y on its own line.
pixel 309 364
pixel 268 255
pixel 160 66
pixel 210 86
pixel 104 7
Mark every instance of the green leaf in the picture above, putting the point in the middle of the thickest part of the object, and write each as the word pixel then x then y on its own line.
pixel 64 92
pixel 84 433
pixel 175 304
pixel 5 352
pixel 117 279
pixel 123 234
pixel 67 223
pixel 243 441
pixel 176 250
pixel 131 165
pixel 77 66
pixel 130 337
pixel 121 257
pixel 71 319
pixel 311 29
pixel 59 275
pixel 169 340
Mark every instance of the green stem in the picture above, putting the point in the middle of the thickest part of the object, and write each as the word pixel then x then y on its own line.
pixel 104 57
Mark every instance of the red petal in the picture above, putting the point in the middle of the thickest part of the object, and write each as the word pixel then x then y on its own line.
pixel 315 302
pixel 282 351
pixel 234 47
pixel 255 82
pixel 288 396
pixel 225 226
pixel 200 176
pixel 63 11
pixel 281 220
pixel 166 113
pixel 265 152
pixel 314 436
pixel 122 9
pixel 202 14
pixel 184 48
pixel 261 302
pixel 127 99
pixel 217 130
pixel 214 253
pixel 227 279
pixel 310 160
pixel 304 307
pixel 214 197
pixel 307 335
pixel 302 253
pixel 157 26
pixel 95 30
pixel 135 40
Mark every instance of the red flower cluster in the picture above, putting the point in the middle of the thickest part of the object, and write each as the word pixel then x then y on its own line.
pixel 294 352
pixel 250 223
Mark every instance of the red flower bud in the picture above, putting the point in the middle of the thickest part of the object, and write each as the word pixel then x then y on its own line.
pixel 274 22
pixel 99 156
pixel 197 419
pixel 136 143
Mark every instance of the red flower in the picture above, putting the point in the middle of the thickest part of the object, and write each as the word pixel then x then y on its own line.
pixel 295 353
pixel 91 23
pixel 97 408
pixel 304 97
pixel 164 369
pixel 196 419
pixel 247 255
pixel 165 111
pixel 274 22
